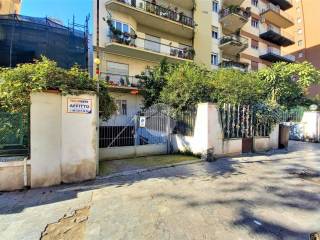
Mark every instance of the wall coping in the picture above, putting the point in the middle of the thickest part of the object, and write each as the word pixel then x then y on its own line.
pixel 14 164
pixel 77 92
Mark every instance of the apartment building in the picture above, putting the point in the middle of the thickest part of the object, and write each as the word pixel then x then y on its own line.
pixel 130 35
pixel 10 6
pixel 306 31
pixel 266 32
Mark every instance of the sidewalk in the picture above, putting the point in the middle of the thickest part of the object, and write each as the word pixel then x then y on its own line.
pixel 259 197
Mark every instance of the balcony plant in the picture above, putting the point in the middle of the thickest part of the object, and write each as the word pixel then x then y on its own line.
pixel 190 53
pixel 174 52
pixel 116 34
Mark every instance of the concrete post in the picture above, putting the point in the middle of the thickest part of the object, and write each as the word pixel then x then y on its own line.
pixel 207 132
pixel 78 141
pixel 45 129
pixel 63 138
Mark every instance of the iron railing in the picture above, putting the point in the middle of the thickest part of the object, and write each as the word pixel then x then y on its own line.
pixel 240 121
pixel 14 134
pixel 157 47
pixel 294 115
pixel 161 11
pixel 120 80
pixel 279 31
pixel 277 9
pixel 280 53
pixel 234 64
pixel 245 13
pixel 184 122
pixel 234 38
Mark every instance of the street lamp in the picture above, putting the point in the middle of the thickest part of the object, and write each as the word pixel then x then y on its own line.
pixel 97 62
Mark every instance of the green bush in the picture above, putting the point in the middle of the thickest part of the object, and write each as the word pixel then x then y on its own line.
pixel 16 84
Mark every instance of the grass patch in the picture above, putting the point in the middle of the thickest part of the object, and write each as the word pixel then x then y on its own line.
pixel 110 167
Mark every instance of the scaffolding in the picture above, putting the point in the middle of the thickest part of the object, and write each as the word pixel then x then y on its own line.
pixel 24 39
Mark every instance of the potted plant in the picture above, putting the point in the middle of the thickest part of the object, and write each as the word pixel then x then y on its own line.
pixel 191 53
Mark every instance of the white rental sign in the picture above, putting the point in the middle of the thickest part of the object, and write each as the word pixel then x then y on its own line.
pixel 142 122
pixel 79 105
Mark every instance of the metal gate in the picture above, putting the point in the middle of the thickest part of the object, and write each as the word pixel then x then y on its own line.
pixel 151 126
pixel 240 121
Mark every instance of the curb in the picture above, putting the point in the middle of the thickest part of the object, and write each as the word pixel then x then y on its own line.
pixel 142 170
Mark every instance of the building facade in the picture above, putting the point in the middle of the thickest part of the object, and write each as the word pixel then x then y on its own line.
pixel 24 39
pixel 10 6
pixel 306 30
pixel 130 35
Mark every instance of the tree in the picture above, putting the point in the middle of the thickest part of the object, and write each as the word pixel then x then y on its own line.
pixel 153 81
pixel 287 83
pixel 186 85
pixel 236 87
pixel 16 84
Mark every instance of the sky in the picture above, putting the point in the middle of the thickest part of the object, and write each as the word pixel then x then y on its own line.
pixel 60 9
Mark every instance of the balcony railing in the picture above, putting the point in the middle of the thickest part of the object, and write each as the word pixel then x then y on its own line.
pixel 280 54
pixel 157 47
pixel 280 32
pixel 118 80
pixel 245 13
pixel 162 11
pixel 277 36
pixel 234 64
pixel 284 4
pixel 234 38
pixel 278 10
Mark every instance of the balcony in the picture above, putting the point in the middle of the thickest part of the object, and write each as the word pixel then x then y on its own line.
pixel 277 36
pixel 234 65
pixel 233 45
pixel 120 81
pixel 140 48
pixel 283 4
pixel 274 15
pixel 275 55
pixel 232 2
pixel 155 16
pixel 233 18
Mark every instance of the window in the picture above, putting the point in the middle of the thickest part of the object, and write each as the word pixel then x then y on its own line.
pixel 254 44
pixel 123 27
pixel 117 74
pixel 152 43
pixel 300 43
pixel 215 6
pixel 215 32
pixel 214 59
pixel 254 66
pixel 255 3
pixel 299 20
pixel 299 31
pixel 121 107
pixel 254 22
